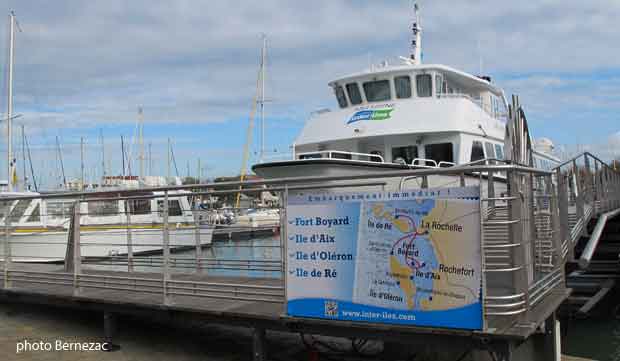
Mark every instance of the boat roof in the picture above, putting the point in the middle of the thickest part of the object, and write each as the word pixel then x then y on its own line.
pixel 468 80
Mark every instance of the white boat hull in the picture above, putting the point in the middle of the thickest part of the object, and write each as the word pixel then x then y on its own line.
pixel 52 246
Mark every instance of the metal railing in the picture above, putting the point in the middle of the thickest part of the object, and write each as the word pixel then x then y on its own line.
pixel 340 154
pixel 588 187
pixel 529 221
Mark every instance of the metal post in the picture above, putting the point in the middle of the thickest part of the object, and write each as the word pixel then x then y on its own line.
pixel 77 252
pixel 258 344
pixel 424 182
pixel 597 189
pixel 109 331
pixel 562 194
pixel 166 268
pixel 7 248
pixel 578 192
pixel 284 240
pixel 556 235
pixel 490 193
pixel 197 238
pixel 129 237
pixel 515 236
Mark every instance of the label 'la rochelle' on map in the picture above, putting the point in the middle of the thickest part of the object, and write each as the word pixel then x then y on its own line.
pixel 409 257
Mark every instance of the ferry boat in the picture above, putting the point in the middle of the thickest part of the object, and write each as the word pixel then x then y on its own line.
pixel 403 116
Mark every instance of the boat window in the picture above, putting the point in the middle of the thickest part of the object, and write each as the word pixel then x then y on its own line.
pixel 354 93
pixel 19 209
pixel 439 152
pixel 377 91
pixel 477 152
pixel 499 152
pixel 174 208
pixel 424 85
pixel 404 155
pixel 4 208
pixel 139 206
pixel 342 99
pixel 490 152
pixel 102 208
pixel 337 155
pixel 35 216
pixel 403 86
pixel 59 209
pixel 311 156
pixel 438 85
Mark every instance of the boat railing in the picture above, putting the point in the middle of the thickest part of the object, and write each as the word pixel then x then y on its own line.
pixel 528 225
pixel 424 163
pixel 339 154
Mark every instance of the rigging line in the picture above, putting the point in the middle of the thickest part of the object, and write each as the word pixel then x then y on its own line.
pixel 174 161
pixel 34 180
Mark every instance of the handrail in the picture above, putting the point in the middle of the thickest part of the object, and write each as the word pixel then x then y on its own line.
pixel 576 157
pixel 588 252
pixel 416 162
pixel 457 170
pixel 330 152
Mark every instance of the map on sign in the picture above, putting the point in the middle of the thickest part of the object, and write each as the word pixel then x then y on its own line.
pixel 409 257
pixel 409 253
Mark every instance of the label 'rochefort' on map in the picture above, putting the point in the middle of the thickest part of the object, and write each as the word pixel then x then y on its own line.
pixel 409 257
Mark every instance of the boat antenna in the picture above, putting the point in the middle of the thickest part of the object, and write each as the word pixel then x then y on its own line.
pixel 416 40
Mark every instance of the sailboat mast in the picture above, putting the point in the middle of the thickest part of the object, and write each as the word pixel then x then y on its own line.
pixel 9 119
pixel 262 99
pixel 141 140
pixel 103 172
pixel 82 163
pixel 24 157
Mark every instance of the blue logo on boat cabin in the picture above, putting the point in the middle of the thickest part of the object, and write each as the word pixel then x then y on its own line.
pixel 374 114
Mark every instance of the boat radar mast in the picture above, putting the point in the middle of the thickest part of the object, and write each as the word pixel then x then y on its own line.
pixel 416 41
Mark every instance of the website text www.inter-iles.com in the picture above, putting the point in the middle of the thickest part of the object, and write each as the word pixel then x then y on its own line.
pixel 384 315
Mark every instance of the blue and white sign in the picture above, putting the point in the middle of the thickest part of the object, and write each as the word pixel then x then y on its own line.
pixel 408 257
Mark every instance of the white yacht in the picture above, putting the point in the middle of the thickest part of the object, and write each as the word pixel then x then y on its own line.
pixel 395 117
pixel 39 228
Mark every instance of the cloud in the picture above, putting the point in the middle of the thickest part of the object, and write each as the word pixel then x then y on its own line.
pixel 83 65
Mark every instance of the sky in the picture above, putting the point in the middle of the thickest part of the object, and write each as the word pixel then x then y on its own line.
pixel 82 69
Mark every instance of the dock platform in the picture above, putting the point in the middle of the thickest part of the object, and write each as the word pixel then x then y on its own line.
pixel 526 230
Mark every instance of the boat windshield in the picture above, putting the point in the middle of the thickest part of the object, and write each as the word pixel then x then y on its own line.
pixel 342 99
pixel 354 93
pixel 377 91
pixel 403 86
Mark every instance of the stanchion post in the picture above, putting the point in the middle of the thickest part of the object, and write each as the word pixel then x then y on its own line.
pixel 166 251
pixel 129 236
pixel 7 250
pixel 198 245
pixel 77 249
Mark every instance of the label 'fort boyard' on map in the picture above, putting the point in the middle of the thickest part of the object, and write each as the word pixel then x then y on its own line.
pixel 409 257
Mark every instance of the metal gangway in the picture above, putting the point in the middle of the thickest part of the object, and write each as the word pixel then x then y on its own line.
pixel 531 221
